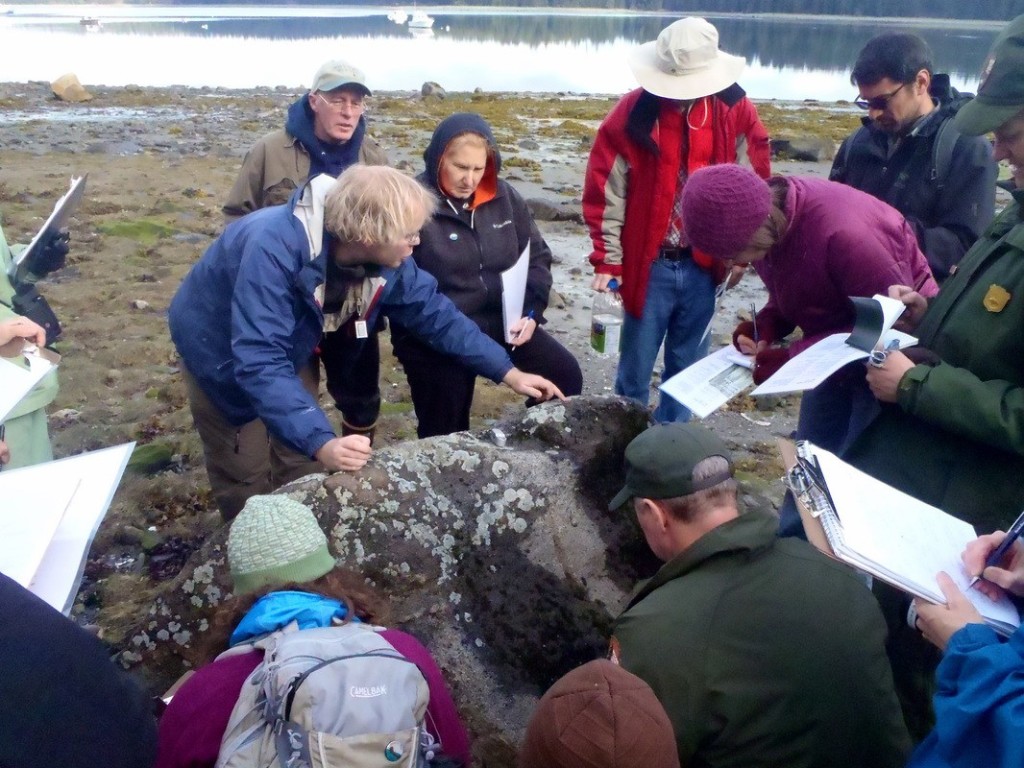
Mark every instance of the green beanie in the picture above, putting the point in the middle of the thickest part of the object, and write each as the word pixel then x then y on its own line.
pixel 276 540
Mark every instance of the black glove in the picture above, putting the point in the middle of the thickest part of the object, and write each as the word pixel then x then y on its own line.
pixel 49 255
pixel 29 302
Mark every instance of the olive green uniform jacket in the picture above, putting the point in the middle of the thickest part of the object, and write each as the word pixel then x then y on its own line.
pixel 275 166
pixel 25 427
pixel 765 653
pixel 955 437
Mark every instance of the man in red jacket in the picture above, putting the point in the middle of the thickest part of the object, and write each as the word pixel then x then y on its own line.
pixel 688 113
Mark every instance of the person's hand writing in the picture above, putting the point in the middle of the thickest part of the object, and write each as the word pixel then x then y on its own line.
pixel 746 345
pixel 531 385
pixel 348 454
pixel 885 381
pixel 938 622
pixel 736 273
pixel 601 280
pixel 1008 575
pixel 15 332
pixel 522 331
pixel 915 304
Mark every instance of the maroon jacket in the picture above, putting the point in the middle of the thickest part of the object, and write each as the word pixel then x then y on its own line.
pixel 194 723
pixel 839 242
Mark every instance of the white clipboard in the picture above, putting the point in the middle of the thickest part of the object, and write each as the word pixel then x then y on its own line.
pixel 58 219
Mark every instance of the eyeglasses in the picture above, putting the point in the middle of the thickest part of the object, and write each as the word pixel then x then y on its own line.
pixel 342 103
pixel 877 102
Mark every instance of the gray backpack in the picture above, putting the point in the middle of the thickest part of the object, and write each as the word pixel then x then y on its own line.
pixel 329 698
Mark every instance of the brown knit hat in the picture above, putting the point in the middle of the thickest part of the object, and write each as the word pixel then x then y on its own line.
pixel 599 716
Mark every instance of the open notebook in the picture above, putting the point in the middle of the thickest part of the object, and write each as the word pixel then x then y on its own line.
pixel 872 330
pixel 897 538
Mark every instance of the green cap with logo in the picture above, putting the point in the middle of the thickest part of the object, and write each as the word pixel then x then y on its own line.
pixel 660 462
pixel 1001 92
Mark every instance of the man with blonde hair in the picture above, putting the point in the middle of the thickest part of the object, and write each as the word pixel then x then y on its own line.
pixel 325 132
pixel 249 314
pixel 762 650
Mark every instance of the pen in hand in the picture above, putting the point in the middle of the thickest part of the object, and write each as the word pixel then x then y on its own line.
pixel 753 321
pixel 529 316
pixel 999 552
pixel 921 281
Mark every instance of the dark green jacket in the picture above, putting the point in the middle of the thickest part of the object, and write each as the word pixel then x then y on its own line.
pixel 955 439
pixel 765 653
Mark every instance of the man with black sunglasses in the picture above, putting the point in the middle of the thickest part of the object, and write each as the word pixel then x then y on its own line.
pixel 908 153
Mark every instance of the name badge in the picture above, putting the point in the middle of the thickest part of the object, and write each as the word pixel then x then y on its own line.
pixel 361 331
pixel 996 298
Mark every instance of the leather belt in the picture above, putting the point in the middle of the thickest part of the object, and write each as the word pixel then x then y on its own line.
pixel 675 254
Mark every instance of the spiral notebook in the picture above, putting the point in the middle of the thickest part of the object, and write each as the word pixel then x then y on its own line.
pixel 893 537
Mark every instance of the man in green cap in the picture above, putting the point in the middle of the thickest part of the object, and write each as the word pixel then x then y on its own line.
pixel 951 427
pixel 762 650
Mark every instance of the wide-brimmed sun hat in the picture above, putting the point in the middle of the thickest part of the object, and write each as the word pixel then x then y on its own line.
pixel 684 62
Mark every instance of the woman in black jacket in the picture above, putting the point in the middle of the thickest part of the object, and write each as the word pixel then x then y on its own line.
pixel 480 229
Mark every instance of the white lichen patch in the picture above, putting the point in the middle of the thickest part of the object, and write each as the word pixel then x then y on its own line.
pixel 183 637
pixel 454 598
pixel 519 525
pixel 163 635
pixel 499 469
pixel 545 415
pixel 520 497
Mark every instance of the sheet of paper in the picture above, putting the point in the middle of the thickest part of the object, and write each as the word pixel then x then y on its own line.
pixel 711 382
pixel 903 540
pixel 819 361
pixel 58 219
pixel 513 291
pixel 16 382
pixel 28 521
pixel 94 477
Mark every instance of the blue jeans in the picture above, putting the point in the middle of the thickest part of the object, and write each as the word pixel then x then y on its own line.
pixel 679 305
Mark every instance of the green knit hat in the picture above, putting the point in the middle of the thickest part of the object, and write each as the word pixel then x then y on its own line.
pixel 276 540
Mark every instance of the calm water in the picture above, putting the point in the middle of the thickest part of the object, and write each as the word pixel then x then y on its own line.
pixel 521 51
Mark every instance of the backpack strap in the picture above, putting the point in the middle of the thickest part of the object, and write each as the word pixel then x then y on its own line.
pixel 942 152
pixel 843 156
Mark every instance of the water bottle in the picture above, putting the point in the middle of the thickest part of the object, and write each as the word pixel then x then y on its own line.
pixel 606 321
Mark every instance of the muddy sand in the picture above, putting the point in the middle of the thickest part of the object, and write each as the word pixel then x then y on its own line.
pixel 160 162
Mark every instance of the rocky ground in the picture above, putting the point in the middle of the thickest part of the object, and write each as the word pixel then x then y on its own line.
pixel 160 162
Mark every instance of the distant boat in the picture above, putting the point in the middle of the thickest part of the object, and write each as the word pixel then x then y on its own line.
pixel 89 22
pixel 420 20
pixel 398 16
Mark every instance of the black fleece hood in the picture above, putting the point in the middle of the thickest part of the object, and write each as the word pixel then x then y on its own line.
pixel 448 129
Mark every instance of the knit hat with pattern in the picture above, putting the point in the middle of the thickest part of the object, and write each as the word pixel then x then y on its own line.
pixel 599 716
pixel 723 206
pixel 276 540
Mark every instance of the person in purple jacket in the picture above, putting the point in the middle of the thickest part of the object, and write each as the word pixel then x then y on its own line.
pixel 283 575
pixel 814 243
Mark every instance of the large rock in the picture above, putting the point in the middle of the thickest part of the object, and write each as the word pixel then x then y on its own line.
pixel 431 89
pixel 497 550
pixel 812 149
pixel 68 88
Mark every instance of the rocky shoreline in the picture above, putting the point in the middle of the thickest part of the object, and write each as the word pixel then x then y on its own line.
pixel 160 162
